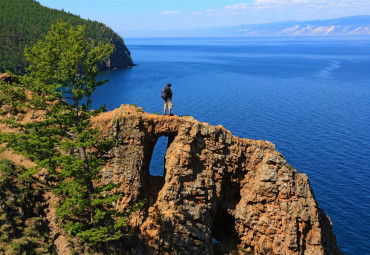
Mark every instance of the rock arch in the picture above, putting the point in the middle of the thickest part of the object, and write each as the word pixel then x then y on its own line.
pixel 212 176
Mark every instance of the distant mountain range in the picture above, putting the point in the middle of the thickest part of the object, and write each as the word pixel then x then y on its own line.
pixel 347 26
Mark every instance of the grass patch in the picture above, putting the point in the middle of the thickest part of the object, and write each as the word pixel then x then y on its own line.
pixel 289 166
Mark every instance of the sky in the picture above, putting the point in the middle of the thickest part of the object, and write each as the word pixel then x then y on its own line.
pixel 126 16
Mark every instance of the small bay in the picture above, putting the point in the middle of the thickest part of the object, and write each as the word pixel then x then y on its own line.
pixel 308 96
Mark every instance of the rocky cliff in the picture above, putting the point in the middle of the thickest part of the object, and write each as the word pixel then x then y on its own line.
pixel 219 194
pixel 120 58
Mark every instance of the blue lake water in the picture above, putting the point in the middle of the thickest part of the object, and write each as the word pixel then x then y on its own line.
pixel 309 96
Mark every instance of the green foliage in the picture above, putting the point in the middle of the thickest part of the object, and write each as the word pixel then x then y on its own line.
pixel 26 21
pixel 21 230
pixel 289 166
pixel 6 166
pixel 13 97
pixel 7 169
pixel 19 246
pixel 60 81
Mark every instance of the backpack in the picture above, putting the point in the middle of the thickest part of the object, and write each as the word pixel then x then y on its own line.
pixel 164 94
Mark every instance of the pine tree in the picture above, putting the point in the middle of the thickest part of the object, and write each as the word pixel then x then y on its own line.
pixel 58 86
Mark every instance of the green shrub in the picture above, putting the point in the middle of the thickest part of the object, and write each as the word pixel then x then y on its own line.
pixel 21 169
pixel 19 246
pixel 7 167
pixel 289 166
pixel 4 237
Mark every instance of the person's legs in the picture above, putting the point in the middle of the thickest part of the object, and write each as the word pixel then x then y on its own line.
pixel 170 105
pixel 165 107
pixel 167 104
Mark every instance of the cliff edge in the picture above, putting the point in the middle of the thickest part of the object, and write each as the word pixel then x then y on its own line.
pixel 219 194
pixel 120 58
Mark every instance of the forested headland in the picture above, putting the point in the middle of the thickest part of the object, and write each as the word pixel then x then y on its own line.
pixel 24 22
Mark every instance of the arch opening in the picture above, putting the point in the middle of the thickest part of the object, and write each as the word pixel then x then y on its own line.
pixel 157 162
pixel 224 234
pixel 157 168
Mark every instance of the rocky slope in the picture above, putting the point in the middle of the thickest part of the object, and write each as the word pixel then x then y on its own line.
pixel 219 194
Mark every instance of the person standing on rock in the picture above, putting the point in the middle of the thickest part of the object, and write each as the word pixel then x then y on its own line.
pixel 167 97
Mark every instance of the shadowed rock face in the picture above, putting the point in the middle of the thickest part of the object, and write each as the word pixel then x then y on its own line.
pixel 120 58
pixel 220 194
pixel 7 78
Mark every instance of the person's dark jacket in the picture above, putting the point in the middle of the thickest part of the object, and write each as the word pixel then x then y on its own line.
pixel 168 92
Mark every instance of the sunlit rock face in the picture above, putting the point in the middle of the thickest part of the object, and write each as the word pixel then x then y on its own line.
pixel 219 194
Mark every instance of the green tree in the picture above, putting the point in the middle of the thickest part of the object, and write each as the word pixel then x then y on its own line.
pixel 58 86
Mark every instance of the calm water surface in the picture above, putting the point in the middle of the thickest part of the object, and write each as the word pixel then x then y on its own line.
pixel 310 97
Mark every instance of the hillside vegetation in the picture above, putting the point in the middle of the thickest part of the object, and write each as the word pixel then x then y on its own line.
pixel 45 116
pixel 22 220
pixel 24 22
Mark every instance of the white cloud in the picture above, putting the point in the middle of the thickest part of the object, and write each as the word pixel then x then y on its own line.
pixel 241 6
pixel 196 13
pixel 206 13
pixel 257 2
pixel 289 7
pixel 264 11
pixel 171 13
pixel 266 4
